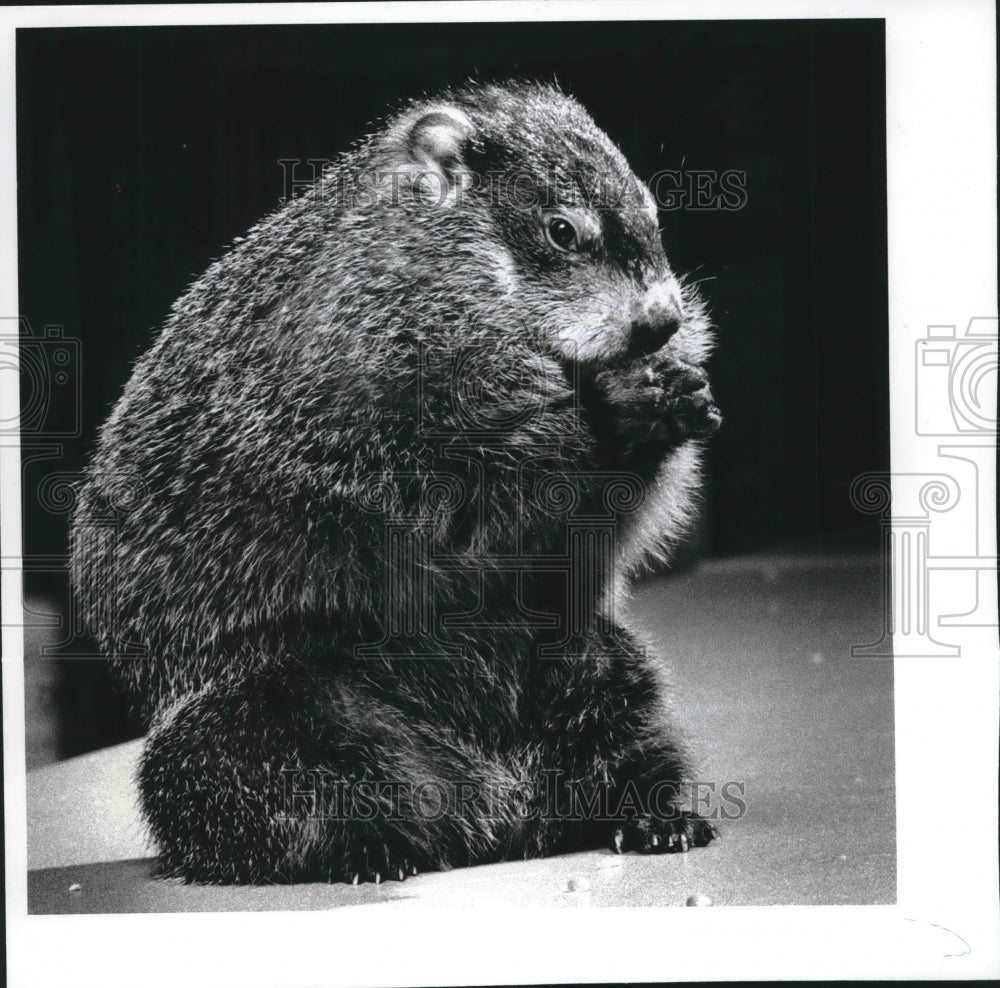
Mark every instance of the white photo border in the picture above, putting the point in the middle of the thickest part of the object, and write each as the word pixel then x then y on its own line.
pixel 941 155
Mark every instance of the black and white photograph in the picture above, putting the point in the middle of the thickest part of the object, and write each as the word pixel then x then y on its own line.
pixel 531 466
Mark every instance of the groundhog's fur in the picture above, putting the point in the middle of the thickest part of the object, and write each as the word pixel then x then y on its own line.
pixel 370 501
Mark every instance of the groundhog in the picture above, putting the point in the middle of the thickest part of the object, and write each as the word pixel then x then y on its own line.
pixel 358 531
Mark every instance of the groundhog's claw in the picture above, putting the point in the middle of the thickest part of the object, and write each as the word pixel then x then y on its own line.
pixel 655 836
pixel 373 863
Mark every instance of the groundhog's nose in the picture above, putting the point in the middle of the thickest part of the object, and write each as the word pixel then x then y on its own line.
pixel 657 317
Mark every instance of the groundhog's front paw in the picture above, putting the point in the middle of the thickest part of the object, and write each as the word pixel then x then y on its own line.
pixel 652 835
pixel 661 402
pixel 373 863
pixel 687 398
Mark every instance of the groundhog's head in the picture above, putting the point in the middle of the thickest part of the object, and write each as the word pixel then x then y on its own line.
pixel 518 181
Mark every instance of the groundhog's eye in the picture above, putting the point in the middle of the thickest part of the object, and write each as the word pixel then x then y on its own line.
pixel 562 233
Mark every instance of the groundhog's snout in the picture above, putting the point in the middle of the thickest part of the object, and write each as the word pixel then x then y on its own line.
pixel 656 316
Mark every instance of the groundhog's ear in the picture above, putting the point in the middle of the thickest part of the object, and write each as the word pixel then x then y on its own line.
pixel 430 146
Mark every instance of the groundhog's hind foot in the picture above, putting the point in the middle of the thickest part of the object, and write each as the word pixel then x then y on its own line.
pixel 650 835
pixel 375 863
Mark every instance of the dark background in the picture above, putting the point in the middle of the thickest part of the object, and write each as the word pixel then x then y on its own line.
pixel 142 152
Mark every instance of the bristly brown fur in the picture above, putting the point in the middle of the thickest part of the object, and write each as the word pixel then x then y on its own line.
pixel 398 395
